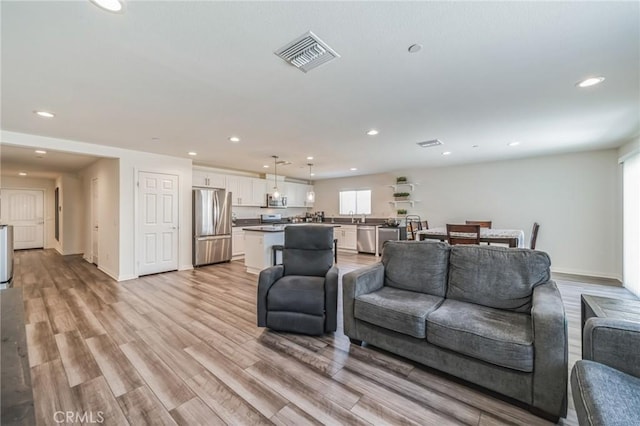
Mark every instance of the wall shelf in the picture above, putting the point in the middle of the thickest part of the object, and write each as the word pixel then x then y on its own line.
pixel 395 203
pixel 395 186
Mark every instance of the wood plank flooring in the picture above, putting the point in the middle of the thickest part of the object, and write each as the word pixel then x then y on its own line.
pixel 183 348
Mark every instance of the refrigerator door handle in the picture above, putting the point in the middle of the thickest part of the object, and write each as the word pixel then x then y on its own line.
pixel 212 237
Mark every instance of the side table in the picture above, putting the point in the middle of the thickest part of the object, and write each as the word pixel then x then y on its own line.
pixel 606 307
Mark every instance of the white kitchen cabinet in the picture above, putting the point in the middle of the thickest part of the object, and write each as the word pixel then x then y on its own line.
pixel 258 249
pixel 203 178
pixel 296 194
pixel 347 236
pixel 237 242
pixel 258 192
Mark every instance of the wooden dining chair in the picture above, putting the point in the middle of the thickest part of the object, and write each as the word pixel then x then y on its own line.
pixel 482 223
pixel 413 225
pixel 463 234
pixel 534 235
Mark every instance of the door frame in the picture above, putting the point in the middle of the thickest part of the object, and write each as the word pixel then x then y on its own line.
pixel 136 212
pixel 94 190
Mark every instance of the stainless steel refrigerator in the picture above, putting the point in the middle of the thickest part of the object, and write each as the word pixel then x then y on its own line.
pixel 211 226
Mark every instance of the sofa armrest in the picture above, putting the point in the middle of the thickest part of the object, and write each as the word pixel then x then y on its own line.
pixel 331 299
pixel 361 281
pixel 614 342
pixel 550 350
pixel 266 279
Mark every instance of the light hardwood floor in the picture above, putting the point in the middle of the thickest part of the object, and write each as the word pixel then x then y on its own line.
pixel 183 347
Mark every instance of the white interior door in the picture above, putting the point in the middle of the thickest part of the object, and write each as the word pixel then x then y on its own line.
pixel 24 209
pixel 95 223
pixel 157 223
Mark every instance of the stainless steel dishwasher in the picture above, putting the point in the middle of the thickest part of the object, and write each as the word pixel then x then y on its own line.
pixel 393 233
pixel 367 239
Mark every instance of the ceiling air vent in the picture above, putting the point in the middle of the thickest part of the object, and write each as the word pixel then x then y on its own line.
pixel 432 142
pixel 307 52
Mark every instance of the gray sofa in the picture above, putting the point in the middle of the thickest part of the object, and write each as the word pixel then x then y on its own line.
pixel 606 383
pixel 489 315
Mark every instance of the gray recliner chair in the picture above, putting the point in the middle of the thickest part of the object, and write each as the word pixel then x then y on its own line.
pixel 301 295
pixel 606 382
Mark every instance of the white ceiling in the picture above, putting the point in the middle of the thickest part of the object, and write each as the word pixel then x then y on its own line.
pixel 194 73
pixel 14 160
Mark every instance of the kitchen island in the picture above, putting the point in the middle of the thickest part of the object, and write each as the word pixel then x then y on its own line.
pixel 259 242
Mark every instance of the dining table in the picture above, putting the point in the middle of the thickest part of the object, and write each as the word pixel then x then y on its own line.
pixel 513 237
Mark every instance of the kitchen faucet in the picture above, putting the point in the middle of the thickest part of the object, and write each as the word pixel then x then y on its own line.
pixel 351 213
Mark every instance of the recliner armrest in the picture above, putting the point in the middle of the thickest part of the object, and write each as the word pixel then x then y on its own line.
pixel 331 299
pixel 361 281
pixel 550 349
pixel 266 279
pixel 614 342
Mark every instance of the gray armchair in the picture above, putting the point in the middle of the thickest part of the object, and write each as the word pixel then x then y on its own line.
pixel 301 295
pixel 606 383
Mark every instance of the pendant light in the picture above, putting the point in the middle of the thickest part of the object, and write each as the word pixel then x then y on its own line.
pixel 311 196
pixel 276 194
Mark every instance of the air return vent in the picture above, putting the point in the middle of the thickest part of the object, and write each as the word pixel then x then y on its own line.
pixel 307 52
pixel 432 142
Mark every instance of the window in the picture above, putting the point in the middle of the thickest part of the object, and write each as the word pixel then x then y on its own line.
pixel 355 202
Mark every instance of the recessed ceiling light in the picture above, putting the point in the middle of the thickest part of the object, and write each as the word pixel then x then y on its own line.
pixel 266 166
pixel 446 153
pixel 353 169
pixel 372 132
pixel 45 114
pixel 40 151
pixel 313 174
pixel 192 153
pixel 234 139
pixel 109 5
pixel 22 173
pixel 514 143
pixel 309 158
pixel 591 81
pixel 414 48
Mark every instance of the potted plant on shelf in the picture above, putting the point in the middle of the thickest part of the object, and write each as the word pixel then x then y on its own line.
pixel 402 212
pixel 401 196
pixel 401 179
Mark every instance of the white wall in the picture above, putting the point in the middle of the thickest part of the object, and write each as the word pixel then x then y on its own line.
pixel 71 214
pixel 130 162
pixel 106 170
pixel 46 185
pixel 130 165
pixel 629 156
pixel 576 198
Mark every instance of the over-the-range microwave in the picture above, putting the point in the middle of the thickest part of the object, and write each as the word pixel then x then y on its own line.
pixel 272 202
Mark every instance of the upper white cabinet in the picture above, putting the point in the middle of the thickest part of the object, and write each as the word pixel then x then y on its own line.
pixel 247 191
pixel 297 194
pixel 209 180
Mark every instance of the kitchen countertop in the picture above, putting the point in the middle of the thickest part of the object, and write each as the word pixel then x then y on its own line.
pixel 280 228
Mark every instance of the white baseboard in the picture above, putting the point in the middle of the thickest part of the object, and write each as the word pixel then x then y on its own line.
pixel 588 274
pixel 185 267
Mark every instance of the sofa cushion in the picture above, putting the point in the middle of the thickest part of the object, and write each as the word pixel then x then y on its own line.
pixel 605 396
pixel 295 293
pixel 503 338
pixel 497 277
pixel 416 266
pixel 398 310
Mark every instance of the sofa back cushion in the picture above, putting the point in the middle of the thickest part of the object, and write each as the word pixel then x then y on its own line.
pixel 496 277
pixel 416 266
